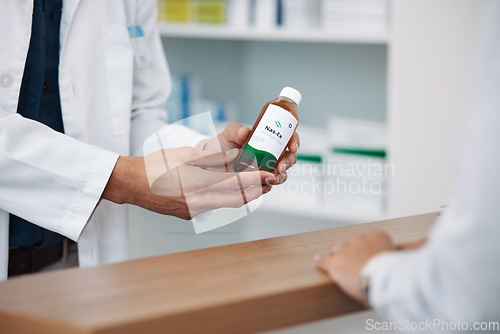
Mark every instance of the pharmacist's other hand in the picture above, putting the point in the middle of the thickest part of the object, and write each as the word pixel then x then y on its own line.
pixel 183 182
pixel 235 135
pixel 345 260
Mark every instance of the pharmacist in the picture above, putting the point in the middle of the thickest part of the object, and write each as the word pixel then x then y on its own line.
pixel 452 280
pixel 79 93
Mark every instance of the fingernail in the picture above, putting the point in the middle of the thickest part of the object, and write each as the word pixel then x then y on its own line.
pixel 317 257
pixel 232 152
pixel 298 145
pixel 271 181
pixel 283 169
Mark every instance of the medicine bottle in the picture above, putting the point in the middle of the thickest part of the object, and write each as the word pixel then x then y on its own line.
pixel 270 134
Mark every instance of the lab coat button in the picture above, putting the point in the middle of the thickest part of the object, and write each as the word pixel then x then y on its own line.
pixel 5 81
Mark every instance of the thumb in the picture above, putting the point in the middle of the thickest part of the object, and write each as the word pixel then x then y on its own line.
pixel 242 135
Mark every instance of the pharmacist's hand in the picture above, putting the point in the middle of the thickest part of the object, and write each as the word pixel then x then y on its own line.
pixel 345 260
pixel 235 135
pixel 184 182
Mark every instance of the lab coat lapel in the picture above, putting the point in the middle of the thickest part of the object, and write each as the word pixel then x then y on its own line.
pixel 15 25
pixel 69 10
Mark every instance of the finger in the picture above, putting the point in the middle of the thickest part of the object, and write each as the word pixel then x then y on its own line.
pixel 336 247
pixel 187 154
pixel 233 136
pixel 287 161
pixel 294 143
pixel 242 135
pixel 193 178
pixel 238 181
pixel 185 179
pixel 412 245
pixel 161 167
pixel 322 263
pixel 214 159
pixel 289 158
pixel 203 201
pixel 282 178
pixel 255 192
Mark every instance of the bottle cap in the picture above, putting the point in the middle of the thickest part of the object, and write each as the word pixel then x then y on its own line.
pixel 292 94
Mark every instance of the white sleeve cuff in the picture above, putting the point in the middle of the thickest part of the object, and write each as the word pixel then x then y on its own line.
pixel 83 204
pixel 379 268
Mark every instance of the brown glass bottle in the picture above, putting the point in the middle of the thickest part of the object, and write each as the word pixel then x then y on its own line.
pixel 270 134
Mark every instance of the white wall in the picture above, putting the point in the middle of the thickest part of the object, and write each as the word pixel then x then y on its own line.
pixel 430 64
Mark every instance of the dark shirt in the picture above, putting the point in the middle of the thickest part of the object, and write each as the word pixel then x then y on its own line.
pixel 39 100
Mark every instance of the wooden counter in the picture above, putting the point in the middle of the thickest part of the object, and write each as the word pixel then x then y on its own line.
pixel 240 288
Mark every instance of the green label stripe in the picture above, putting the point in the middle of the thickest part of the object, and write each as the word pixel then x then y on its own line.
pixel 263 158
pixel 365 152
pixel 310 158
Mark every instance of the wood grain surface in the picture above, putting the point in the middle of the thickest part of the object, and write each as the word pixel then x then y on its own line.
pixel 240 288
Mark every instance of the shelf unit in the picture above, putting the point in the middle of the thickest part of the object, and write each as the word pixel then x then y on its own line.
pixel 286 35
pixel 310 209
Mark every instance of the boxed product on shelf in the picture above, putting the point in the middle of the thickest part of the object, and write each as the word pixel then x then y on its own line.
pixel 211 11
pixel 264 14
pixel 305 178
pixel 238 13
pixel 192 11
pixel 255 14
pixel 356 182
pixel 354 14
pixel 182 96
pixel 327 185
pixel 369 16
pixel 185 100
pixel 356 165
pixel 346 133
pixel 300 14
pixel 177 10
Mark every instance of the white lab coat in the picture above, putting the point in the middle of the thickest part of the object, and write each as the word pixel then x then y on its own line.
pixel 109 106
pixel 455 277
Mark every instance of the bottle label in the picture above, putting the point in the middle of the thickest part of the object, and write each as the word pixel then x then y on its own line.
pixel 271 136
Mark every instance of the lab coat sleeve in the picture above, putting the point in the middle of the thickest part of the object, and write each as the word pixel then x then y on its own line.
pixel 49 178
pixel 151 88
pixel 456 276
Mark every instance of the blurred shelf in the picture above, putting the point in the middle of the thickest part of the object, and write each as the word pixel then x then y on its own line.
pixel 247 34
pixel 311 208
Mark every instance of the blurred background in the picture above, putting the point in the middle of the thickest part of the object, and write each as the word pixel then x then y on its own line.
pixel 385 87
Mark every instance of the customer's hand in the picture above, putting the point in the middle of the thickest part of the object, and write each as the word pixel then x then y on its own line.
pixel 235 135
pixel 412 245
pixel 184 182
pixel 346 260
